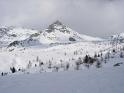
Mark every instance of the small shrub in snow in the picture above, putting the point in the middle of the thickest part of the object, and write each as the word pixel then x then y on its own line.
pixel 40 64
pixel 4 73
pixel 13 70
pixel 98 55
pixel 50 64
pixel 75 52
pixel 107 56
pixel 35 65
pixel 29 65
pixel 65 53
pixel 56 68
pixel 37 59
pixel 78 63
pixel 123 48
pixel 67 66
pixel 113 50
pixel 77 66
pixel 98 64
pixel 95 56
pixel 86 59
pixel 89 60
pixel 121 55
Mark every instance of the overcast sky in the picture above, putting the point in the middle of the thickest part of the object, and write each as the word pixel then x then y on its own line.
pixel 91 17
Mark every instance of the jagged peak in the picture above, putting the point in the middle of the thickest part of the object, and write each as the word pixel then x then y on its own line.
pixel 57 22
pixel 55 25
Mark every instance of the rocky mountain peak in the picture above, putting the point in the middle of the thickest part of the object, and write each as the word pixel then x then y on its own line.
pixel 55 25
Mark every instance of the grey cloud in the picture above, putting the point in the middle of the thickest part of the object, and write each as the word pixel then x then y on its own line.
pixel 92 17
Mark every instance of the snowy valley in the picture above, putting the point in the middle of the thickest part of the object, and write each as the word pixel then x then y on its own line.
pixel 81 61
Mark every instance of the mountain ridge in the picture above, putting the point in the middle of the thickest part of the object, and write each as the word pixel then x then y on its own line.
pixel 56 33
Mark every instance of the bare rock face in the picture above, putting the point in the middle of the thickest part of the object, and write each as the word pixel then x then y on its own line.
pixel 57 25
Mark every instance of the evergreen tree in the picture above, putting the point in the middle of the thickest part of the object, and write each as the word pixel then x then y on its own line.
pixel 29 65
pixel 67 66
pixel 98 64
pixel 77 66
pixel 13 70
pixel 86 59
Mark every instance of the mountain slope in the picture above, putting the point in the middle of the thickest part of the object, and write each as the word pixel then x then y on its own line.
pixel 56 33
pixel 60 32
pixel 20 57
pixel 11 34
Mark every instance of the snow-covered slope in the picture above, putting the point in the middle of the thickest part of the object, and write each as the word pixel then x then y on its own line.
pixel 61 33
pixel 56 33
pixel 56 55
pixel 107 80
pixel 11 34
pixel 72 52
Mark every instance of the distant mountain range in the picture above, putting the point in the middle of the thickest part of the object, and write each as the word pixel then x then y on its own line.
pixel 56 33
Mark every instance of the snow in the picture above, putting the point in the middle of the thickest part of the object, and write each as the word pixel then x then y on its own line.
pixel 15 34
pixel 104 80
pixel 51 51
pixel 56 33
pixel 118 37
pixel 20 57
pixel 47 46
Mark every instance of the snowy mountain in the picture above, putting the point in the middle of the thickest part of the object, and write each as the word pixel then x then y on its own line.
pixel 61 33
pixel 11 34
pixel 17 47
pixel 59 49
pixel 69 45
pixel 56 33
